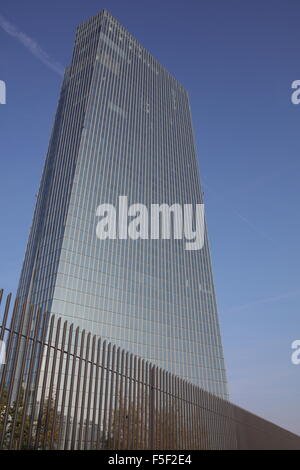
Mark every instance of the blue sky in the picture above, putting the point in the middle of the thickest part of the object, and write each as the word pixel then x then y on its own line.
pixel 237 59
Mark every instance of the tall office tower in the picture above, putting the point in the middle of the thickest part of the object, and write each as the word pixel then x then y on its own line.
pixel 123 128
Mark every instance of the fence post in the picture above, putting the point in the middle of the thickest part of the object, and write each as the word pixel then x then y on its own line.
pixel 151 406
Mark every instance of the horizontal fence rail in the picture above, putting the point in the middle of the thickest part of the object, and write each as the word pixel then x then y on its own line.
pixel 62 388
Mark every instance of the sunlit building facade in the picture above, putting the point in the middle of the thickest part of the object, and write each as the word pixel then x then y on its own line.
pixel 123 128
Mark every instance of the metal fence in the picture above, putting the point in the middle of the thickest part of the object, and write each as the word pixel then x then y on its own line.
pixel 62 388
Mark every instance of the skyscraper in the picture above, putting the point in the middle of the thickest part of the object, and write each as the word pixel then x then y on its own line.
pixel 123 128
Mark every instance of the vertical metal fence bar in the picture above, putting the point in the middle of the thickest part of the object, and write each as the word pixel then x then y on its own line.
pixel 98 367
pixel 190 418
pixel 31 360
pixel 211 422
pixel 66 361
pixel 117 402
pixel 77 389
pixel 47 352
pixel 36 363
pixel 225 428
pixel 201 420
pixel 9 344
pixel 120 438
pixel 137 402
pixel 177 392
pixel 187 413
pixel 20 358
pixel 99 441
pixel 126 404
pixel 202 428
pixel 142 380
pixel 219 419
pixel 147 389
pixel 195 429
pixel 132 414
pixel 129 416
pixel 209 419
pixel 70 401
pixel 3 321
pixel 11 366
pixel 221 423
pixel 128 390
pixel 179 422
pixel 84 388
pixel 49 409
pixel 111 391
pixel 227 435
pixel 180 386
pixel 107 379
pixel 215 424
pixel 191 421
pixel 89 394
pixel 226 432
pixel 216 435
pixel 185 407
pixel 190 428
pixel 203 423
pixel 139 405
pixel 160 413
pixel 164 425
pixel 172 407
pixel 152 377
pixel 58 387
pixel 196 419
pixel 169 430
pixel 205 413
pixel 157 409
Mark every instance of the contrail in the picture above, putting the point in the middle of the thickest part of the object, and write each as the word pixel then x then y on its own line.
pixel 31 45
pixel 240 216
pixel 266 300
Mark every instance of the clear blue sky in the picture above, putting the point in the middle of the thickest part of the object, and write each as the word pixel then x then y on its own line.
pixel 237 59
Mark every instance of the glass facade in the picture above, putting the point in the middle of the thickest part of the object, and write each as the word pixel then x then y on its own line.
pixel 123 128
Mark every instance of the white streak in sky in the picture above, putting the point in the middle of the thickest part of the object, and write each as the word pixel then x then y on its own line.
pixel 31 45
pixel 275 298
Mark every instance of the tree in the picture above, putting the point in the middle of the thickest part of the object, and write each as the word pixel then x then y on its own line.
pixel 19 433
pixel 132 427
